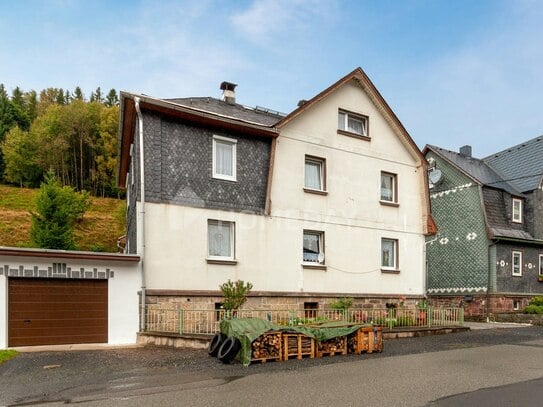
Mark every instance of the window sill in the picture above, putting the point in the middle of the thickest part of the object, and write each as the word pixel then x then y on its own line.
pixel 388 203
pixel 315 191
pixel 390 271
pixel 221 261
pixel 314 266
pixel 516 275
pixel 355 135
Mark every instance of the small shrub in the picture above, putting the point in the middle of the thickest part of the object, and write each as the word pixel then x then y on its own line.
pixel 533 309
pixel 538 301
pixel 235 294
pixel 342 304
pixel 405 320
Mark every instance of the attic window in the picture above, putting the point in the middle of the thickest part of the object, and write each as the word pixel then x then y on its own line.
pixel 517 210
pixel 353 124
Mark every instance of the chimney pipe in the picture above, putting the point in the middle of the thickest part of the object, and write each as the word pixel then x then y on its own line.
pixel 228 92
pixel 465 151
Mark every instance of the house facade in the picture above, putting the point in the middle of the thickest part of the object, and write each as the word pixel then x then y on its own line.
pixel 328 201
pixel 488 256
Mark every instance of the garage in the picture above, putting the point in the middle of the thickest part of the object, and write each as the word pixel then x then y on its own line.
pixel 45 311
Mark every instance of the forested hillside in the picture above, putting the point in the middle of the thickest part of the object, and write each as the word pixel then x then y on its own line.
pixel 99 229
pixel 62 132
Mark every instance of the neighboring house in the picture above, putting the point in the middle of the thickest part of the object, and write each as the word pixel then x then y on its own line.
pixel 488 255
pixel 328 201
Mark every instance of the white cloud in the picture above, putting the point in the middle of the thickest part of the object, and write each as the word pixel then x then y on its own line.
pixel 266 19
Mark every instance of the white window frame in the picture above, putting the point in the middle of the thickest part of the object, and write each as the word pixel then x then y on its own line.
pixel 233 142
pixel 395 266
pixel 322 166
pixel 394 177
pixel 231 256
pixel 540 273
pixel 516 216
pixel 320 235
pixel 519 271
pixel 343 125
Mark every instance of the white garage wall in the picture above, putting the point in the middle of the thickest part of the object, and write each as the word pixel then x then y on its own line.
pixel 3 312
pixel 123 284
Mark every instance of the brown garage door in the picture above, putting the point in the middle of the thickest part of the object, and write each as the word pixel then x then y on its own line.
pixel 55 312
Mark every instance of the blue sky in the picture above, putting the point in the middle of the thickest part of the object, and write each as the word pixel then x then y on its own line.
pixel 455 72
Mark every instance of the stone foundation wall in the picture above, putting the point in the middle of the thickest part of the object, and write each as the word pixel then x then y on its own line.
pixel 481 306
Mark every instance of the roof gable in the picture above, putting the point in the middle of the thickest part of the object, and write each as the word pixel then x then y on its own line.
pixel 371 91
pixel 521 165
pixel 476 169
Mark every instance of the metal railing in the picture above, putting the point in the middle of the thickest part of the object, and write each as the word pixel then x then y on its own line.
pixel 189 321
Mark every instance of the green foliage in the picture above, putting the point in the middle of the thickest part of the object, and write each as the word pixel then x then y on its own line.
pixel 342 304
pixel 422 304
pixel 19 150
pixel 57 210
pixel 235 294
pixel 7 354
pixel 303 321
pixel 538 301
pixel 97 247
pixel 533 309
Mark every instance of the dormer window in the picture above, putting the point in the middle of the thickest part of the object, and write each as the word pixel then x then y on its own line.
pixel 517 210
pixel 352 124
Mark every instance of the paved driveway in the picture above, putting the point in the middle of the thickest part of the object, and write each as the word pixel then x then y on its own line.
pixel 105 374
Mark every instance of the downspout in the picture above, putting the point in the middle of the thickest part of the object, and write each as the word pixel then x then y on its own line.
pixel 141 212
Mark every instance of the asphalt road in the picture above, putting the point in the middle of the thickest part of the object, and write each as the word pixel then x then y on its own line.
pixel 499 367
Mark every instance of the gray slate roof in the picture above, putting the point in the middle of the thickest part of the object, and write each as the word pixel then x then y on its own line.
pixel 522 164
pixel 253 115
pixel 477 169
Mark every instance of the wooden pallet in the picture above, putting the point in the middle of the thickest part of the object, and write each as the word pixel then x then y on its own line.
pixel 297 345
pixel 265 360
pixel 365 340
pixel 332 347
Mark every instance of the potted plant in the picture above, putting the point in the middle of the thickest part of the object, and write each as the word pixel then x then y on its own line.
pixel 540 278
pixel 422 306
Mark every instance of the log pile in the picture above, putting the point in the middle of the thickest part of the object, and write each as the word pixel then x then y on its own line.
pixel 367 339
pixel 332 347
pixel 267 347
pixel 297 345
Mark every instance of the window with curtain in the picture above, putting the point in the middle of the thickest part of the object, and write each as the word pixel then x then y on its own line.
pixel 389 255
pixel 313 246
pixel 314 173
pixel 224 158
pixel 388 187
pixel 220 239
pixel 352 123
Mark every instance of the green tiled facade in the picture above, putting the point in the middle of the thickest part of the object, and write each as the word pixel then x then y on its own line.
pixel 457 258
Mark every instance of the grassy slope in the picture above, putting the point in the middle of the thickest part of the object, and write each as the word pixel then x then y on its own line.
pixel 6 355
pixel 102 224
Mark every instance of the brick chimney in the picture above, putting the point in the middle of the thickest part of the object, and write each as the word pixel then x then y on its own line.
pixel 465 151
pixel 228 92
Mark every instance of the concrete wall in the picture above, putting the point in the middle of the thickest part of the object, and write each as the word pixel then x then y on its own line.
pixel 123 284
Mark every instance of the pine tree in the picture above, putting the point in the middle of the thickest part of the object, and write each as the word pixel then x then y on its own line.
pixel 112 99
pixel 78 94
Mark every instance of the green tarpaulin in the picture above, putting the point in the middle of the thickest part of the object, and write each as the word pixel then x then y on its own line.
pixel 248 329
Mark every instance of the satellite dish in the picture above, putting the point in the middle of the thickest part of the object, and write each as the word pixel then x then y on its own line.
pixel 435 177
pixel 321 258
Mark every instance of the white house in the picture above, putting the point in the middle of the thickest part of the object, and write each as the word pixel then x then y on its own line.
pixel 328 201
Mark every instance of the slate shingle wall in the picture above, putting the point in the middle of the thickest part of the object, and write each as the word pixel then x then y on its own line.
pixel 499 207
pixel 534 213
pixel 178 167
pixel 525 284
pixel 458 258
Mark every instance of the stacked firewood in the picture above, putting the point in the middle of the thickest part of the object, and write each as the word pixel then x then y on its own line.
pixel 267 345
pixel 352 342
pixel 333 345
